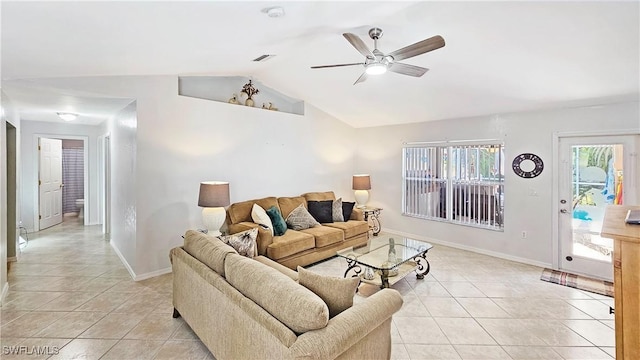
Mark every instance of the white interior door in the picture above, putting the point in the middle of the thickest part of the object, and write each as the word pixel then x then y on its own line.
pixel 50 182
pixel 595 171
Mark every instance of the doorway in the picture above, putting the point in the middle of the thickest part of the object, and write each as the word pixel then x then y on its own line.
pixel 49 200
pixel 12 215
pixel 594 172
pixel 105 180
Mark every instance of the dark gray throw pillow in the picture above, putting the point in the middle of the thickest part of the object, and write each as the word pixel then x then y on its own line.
pixel 347 209
pixel 321 210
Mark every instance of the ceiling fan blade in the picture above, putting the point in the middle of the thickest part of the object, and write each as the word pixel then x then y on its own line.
pixel 418 48
pixel 337 65
pixel 406 69
pixel 362 78
pixel 358 44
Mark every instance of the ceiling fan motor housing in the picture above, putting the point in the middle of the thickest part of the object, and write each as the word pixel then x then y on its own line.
pixel 375 33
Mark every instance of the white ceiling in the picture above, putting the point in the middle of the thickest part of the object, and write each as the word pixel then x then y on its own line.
pixel 499 56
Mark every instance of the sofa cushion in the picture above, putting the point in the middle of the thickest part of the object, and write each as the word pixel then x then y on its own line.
pixel 279 225
pixel 336 211
pixel 239 212
pixel 319 196
pixel 300 219
pixel 294 305
pixel 292 242
pixel 321 210
pixel 259 216
pixel 325 235
pixel 207 249
pixel 243 242
pixel 336 292
pixel 287 204
pixel 351 228
pixel 347 209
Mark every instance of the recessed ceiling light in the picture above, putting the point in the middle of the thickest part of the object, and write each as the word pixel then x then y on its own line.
pixel 67 116
pixel 274 12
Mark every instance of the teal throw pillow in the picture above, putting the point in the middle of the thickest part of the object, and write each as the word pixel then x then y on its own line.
pixel 279 225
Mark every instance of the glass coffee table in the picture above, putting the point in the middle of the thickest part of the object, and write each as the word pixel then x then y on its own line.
pixel 386 259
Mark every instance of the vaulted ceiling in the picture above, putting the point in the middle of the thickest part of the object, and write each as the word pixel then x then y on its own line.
pixel 499 57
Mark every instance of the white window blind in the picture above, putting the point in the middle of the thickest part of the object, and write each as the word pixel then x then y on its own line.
pixel 462 184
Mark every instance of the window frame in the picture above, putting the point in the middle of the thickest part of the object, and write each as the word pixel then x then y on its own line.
pixel 486 196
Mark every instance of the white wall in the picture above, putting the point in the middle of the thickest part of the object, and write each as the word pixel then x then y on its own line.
pixel 122 130
pixel 29 161
pixel 8 115
pixel 182 141
pixel 380 154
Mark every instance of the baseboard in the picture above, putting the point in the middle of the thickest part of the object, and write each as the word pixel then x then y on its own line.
pixel 124 261
pixel 5 291
pixel 134 276
pixel 472 249
pixel 152 274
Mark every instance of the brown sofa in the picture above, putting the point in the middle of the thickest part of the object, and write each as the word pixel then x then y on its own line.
pixel 299 247
pixel 245 308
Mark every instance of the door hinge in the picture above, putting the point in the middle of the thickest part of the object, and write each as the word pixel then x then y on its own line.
pixel 39 148
pixel 39 217
pixel 39 182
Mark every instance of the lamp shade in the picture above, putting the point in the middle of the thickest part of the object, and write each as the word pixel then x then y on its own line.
pixel 361 182
pixel 214 194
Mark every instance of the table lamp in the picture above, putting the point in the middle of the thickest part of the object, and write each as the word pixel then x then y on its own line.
pixel 361 183
pixel 214 196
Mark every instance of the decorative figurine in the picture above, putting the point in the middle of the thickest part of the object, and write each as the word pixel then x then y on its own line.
pixel 392 251
pixel 369 274
pixel 234 99
pixel 269 107
pixel 250 91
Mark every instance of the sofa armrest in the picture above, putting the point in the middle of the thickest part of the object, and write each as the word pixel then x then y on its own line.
pixel 264 235
pixel 348 327
pixel 357 214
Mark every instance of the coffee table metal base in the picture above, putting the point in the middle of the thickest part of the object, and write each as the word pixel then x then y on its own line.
pixel 420 265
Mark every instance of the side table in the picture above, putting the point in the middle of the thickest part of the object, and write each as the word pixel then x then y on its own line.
pixel 372 213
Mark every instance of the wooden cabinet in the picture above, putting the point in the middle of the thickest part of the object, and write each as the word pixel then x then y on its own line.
pixel 626 279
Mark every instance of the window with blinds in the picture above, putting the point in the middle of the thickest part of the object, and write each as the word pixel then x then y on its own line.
pixel 461 184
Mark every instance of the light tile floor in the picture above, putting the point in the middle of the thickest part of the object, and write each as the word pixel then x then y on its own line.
pixel 70 297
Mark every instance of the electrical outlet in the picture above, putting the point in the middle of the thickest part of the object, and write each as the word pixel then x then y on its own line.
pixel 523 234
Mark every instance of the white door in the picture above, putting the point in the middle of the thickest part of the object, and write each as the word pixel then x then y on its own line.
pixel 50 182
pixel 595 171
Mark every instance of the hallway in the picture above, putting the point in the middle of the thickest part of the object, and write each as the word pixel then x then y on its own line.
pixel 71 297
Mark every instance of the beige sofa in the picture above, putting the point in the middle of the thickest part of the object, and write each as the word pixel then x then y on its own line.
pixel 244 308
pixel 299 247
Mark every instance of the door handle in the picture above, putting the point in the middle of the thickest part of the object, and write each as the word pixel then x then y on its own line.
pixel 564 211
pixel 61 186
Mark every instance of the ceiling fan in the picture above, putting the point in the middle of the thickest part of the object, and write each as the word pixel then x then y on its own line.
pixel 376 62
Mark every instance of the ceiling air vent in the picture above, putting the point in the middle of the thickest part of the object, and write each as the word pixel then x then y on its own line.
pixel 263 58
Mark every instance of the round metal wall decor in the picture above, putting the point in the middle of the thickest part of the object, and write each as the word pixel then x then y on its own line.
pixel 526 173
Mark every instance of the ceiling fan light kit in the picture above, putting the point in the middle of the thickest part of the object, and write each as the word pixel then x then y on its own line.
pixel 377 63
pixel 376 69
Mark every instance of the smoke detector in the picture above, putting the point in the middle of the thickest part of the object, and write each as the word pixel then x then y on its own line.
pixel 274 12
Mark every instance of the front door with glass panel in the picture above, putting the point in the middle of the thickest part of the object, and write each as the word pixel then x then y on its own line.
pixel 595 172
